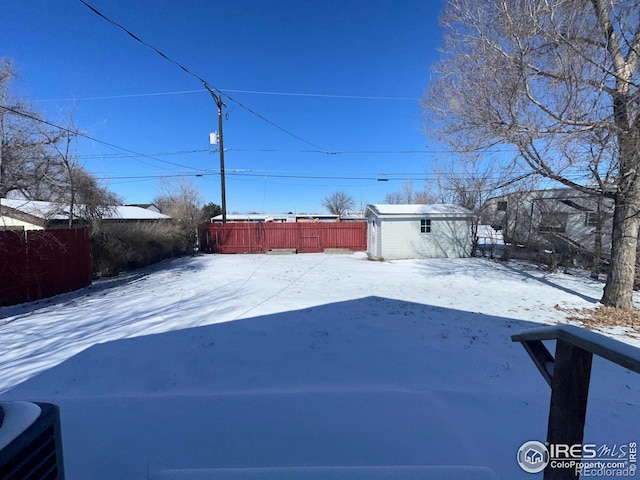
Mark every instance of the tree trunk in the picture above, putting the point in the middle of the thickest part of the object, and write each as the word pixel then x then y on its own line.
pixel 597 241
pixel 618 291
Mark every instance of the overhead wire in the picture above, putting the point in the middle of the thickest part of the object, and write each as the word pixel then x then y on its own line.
pixel 225 90
pixel 195 75
pixel 246 173
pixel 89 137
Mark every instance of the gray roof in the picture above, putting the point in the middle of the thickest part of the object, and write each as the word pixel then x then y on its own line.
pixel 418 210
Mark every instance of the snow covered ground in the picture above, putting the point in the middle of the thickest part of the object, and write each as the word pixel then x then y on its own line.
pixel 303 360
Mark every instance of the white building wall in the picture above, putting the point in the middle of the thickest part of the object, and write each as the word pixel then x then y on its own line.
pixel 374 237
pixel 8 222
pixel 402 238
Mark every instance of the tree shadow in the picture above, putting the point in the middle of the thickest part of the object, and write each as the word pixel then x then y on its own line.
pixel 545 280
pixel 98 286
pixel 510 270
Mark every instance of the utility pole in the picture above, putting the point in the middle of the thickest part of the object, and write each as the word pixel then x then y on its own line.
pixel 220 104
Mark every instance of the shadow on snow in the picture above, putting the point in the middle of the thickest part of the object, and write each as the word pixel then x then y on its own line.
pixel 372 381
pixel 98 286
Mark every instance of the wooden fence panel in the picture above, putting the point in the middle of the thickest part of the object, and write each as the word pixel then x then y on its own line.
pixel 43 263
pixel 14 275
pixel 279 236
pixel 309 240
pixel 351 235
pixel 250 237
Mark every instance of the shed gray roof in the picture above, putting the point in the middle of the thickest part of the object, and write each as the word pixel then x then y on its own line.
pixel 418 210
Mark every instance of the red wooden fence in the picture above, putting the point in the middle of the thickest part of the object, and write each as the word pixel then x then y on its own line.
pixel 42 263
pixel 252 237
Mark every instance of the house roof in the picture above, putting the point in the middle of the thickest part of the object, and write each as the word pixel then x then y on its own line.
pixel 57 211
pixel 257 217
pixel 285 216
pixel 418 210
pixel 148 206
pixel 130 212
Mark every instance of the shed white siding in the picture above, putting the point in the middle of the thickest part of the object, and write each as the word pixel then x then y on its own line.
pixel 374 237
pixel 422 231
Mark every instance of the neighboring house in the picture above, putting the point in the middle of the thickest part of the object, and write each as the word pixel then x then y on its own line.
pixel 256 217
pixel 354 216
pixel 146 206
pixel 490 241
pixel 560 219
pixel 38 215
pixel 418 231
pixel 290 217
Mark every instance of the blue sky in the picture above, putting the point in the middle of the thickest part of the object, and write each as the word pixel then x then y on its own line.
pixel 344 77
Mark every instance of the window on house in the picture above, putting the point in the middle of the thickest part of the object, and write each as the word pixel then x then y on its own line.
pixel 553 222
pixel 425 225
pixel 502 206
pixel 591 219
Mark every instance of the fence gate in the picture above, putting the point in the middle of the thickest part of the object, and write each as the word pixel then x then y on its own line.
pixel 253 237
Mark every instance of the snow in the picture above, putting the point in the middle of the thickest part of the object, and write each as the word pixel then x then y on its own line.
pixel 131 212
pixel 304 361
pixel 336 473
pixel 420 209
pixel 57 211
pixel 36 208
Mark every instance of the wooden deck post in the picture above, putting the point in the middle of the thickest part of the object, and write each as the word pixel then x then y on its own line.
pixel 569 375
pixel 569 392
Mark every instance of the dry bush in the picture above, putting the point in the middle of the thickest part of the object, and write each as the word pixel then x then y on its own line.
pixel 118 247
pixel 604 317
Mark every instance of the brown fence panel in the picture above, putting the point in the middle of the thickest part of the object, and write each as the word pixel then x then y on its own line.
pixel 234 238
pixel 279 235
pixel 248 237
pixel 50 262
pixel 351 235
pixel 14 271
pixel 309 236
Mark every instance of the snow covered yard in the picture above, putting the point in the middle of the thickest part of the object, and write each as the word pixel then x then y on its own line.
pixel 302 360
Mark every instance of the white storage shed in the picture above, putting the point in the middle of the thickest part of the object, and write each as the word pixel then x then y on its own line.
pixel 418 231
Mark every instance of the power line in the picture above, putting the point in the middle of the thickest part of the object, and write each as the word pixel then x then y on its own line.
pixel 382 176
pixel 323 95
pixel 107 156
pixel 88 137
pixel 293 151
pixel 277 150
pixel 194 75
pixel 255 92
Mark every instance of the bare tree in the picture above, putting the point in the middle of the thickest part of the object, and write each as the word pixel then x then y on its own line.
pixel 554 85
pixel 470 181
pixel 183 203
pixel 26 163
pixel 339 202
pixel 73 186
pixel 408 194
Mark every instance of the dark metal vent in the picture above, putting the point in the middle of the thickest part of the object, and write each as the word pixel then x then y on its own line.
pixel 36 454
